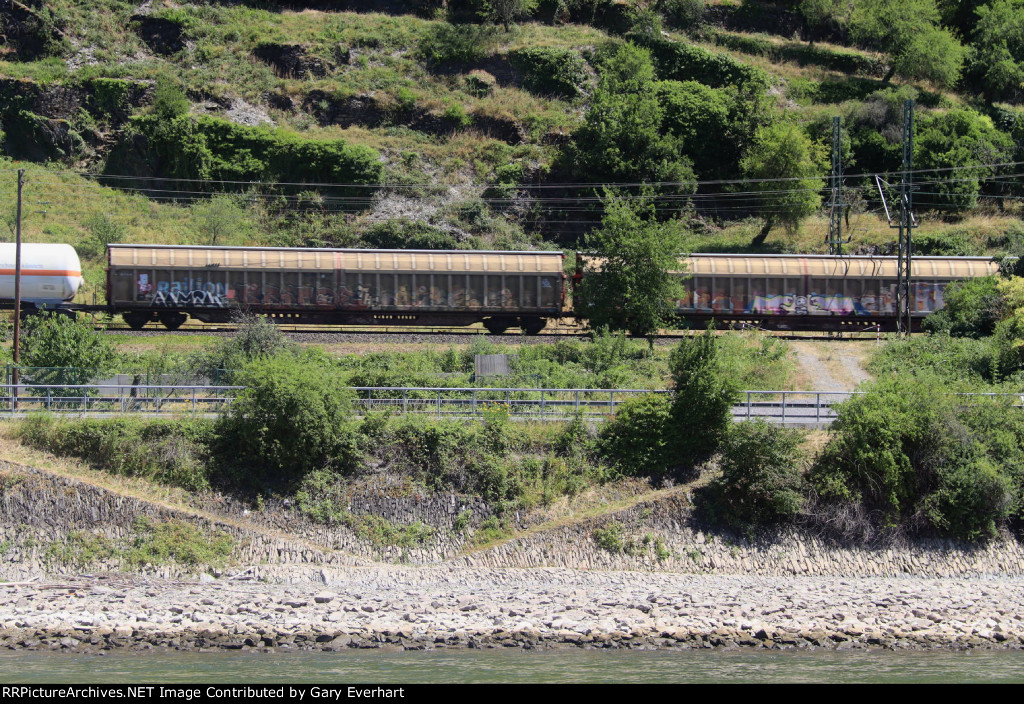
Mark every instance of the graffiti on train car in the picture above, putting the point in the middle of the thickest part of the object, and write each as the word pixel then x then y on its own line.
pixel 354 292
pixel 926 296
pixel 191 292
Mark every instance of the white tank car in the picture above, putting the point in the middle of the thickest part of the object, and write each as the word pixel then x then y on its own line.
pixel 50 273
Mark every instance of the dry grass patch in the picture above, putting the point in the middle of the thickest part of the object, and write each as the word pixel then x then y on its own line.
pixel 12 450
pixel 594 502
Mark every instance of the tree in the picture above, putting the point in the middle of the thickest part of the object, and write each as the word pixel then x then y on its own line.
pixel 702 407
pixel 783 164
pixel 909 31
pixel 820 13
pixel 967 141
pixel 505 12
pixel 632 286
pixel 74 352
pixel 998 40
pixel 621 139
pixel 960 14
pixel 219 220
pixel 701 118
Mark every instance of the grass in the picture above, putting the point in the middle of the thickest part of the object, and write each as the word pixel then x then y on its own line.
pixel 982 229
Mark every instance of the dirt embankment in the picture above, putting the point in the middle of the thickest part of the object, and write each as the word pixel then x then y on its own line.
pixel 669 584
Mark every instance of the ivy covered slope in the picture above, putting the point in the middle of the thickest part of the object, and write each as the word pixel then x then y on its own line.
pixel 471 123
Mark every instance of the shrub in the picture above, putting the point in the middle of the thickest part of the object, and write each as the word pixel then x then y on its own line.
pixel 912 458
pixel 80 549
pixel 383 533
pixel 702 407
pixel 551 71
pixel 575 440
pixel 174 452
pixel 685 62
pixel 491 530
pixel 208 148
pixel 612 539
pixel 176 541
pixel 971 309
pixel 436 450
pixel 408 234
pixel 684 14
pixel 636 439
pixel 849 62
pixel 169 99
pixel 457 43
pixel 323 497
pixel 293 417
pixel 962 363
pixel 103 230
pixel 1009 333
pixel 75 352
pixel 110 97
pixel 761 482
pixel 479 83
pixel 971 499
pixel 255 338
pixel 955 243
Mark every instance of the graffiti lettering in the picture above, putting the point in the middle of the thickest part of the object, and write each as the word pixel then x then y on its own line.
pixel 926 297
pixel 176 299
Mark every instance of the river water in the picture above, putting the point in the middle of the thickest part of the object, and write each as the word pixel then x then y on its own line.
pixel 512 666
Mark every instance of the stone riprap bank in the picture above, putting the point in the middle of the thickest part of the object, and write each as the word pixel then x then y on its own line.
pixel 437 607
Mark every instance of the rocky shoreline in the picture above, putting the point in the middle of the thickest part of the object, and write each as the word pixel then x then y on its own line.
pixel 450 607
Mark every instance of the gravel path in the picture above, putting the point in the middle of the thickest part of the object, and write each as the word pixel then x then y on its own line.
pixel 841 369
pixel 418 608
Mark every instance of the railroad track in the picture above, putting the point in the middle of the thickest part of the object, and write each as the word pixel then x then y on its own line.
pixel 405 330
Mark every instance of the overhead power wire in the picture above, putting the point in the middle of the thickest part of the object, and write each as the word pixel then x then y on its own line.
pixel 638 184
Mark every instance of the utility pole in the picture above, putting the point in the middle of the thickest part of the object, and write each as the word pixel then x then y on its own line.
pixel 835 224
pixel 17 292
pixel 907 224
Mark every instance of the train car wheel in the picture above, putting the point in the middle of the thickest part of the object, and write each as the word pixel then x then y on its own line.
pixel 136 321
pixel 173 321
pixel 495 326
pixel 534 326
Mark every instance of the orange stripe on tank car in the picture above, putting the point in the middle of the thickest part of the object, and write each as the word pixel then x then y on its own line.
pixel 41 272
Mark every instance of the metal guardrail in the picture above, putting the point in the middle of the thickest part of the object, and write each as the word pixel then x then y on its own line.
pixel 808 408
pixel 115 398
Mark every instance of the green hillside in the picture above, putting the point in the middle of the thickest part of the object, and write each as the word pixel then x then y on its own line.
pixel 501 123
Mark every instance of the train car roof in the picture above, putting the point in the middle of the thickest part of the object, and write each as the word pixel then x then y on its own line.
pixel 824 266
pixel 828 266
pixel 294 259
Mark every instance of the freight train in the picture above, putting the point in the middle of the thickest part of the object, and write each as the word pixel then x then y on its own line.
pixel 169 284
